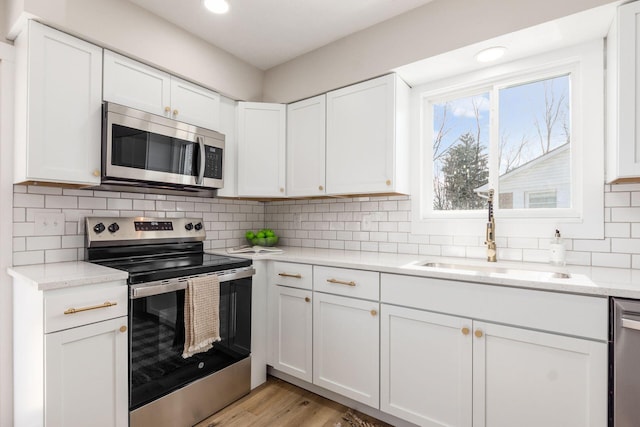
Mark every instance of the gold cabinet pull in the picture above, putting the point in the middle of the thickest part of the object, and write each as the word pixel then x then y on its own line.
pixel 341 282
pixel 96 172
pixel 374 312
pixel 478 333
pixel 307 299
pixel 465 331
pixel 167 109
pixel 388 182
pixel 320 187
pixel 92 307
pixel 295 276
pixel 175 112
pixel 123 328
pixel 282 189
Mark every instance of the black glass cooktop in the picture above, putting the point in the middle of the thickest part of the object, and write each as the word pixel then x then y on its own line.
pixel 151 268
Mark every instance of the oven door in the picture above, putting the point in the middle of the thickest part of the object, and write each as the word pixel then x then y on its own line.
pixel 156 341
pixel 143 147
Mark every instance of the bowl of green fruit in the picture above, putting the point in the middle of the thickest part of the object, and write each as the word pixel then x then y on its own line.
pixel 264 237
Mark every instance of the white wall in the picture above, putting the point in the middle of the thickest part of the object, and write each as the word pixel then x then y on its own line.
pixel 435 28
pixel 132 31
pixel 6 226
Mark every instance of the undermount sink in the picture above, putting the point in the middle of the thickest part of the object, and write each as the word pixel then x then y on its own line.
pixel 495 270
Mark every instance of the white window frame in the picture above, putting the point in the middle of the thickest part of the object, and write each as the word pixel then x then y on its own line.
pixel 585 218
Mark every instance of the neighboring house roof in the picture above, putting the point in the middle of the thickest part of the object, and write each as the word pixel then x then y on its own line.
pixel 526 166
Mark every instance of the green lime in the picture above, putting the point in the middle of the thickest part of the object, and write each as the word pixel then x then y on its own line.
pixel 249 235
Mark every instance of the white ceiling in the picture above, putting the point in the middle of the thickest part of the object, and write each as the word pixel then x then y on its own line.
pixel 266 33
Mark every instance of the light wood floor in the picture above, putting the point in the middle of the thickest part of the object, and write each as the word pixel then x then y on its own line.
pixel 278 403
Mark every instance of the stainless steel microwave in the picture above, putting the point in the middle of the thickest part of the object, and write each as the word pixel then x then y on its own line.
pixel 150 153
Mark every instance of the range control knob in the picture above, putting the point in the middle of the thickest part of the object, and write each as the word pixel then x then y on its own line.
pixel 198 226
pixel 98 228
pixel 113 228
pixel 189 226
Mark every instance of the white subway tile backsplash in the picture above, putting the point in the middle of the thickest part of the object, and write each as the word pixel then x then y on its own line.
pixel 379 224
pixel 37 189
pixel 92 203
pixel 60 255
pixel 21 200
pixel 61 202
pixel 625 214
pixel 26 258
pixel 617 229
pixel 43 242
pixel 599 259
pixel 619 199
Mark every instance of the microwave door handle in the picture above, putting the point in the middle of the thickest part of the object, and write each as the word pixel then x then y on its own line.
pixel 202 164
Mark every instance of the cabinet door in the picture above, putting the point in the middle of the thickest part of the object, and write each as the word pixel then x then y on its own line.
pixel 292 333
pixel 346 347
pixel 360 137
pixel 426 361
pixel 261 149
pixel 538 379
pixel 625 163
pixel 194 104
pixel 131 83
pixel 306 147
pixel 228 126
pixel 86 376
pixel 64 108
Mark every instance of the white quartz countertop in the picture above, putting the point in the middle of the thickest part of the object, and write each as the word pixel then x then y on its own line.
pixel 65 274
pixel 583 280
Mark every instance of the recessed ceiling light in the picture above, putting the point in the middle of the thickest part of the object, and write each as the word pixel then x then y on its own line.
pixel 491 54
pixel 217 6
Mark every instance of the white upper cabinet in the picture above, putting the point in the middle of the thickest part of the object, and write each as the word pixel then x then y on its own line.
pixel 623 53
pixel 306 147
pixel 261 149
pixel 367 149
pixel 58 107
pixel 139 86
pixel 228 127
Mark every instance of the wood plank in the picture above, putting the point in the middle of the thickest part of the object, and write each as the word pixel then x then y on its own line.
pixel 278 403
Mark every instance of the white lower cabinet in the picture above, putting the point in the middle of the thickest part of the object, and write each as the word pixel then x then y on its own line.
pixel 70 355
pixel 537 378
pixel 440 370
pixel 291 337
pixel 346 347
pixel 426 363
pixel 536 358
pixel 86 375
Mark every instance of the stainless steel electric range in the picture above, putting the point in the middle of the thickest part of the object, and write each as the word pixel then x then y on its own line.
pixel 160 255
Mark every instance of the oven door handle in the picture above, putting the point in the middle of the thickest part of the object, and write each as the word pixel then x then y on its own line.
pixel 165 287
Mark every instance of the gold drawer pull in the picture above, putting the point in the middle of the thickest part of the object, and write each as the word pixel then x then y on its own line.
pixel 123 329
pixel 296 276
pixel 307 299
pixel 93 307
pixel 478 333
pixel 465 331
pixel 341 282
pixel 374 312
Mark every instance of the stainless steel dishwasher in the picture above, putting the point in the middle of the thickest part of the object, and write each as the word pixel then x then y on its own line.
pixel 625 373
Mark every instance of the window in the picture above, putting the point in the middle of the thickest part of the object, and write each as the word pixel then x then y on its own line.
pixel 533 127
pixel 532 130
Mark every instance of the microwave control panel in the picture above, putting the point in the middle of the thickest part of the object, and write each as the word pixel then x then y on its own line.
pixel 213 162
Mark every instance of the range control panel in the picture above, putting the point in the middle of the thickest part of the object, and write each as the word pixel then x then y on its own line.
pixel 113 231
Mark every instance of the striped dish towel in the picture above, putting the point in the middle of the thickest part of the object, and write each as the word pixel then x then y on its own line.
pixel 201 314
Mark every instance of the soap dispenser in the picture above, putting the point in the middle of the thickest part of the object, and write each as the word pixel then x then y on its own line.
pixel 556 250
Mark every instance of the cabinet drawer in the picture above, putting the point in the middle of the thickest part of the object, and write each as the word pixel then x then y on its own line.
pixel 292 274
pixel 343 281
pixel 92 298
pixel 578 315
